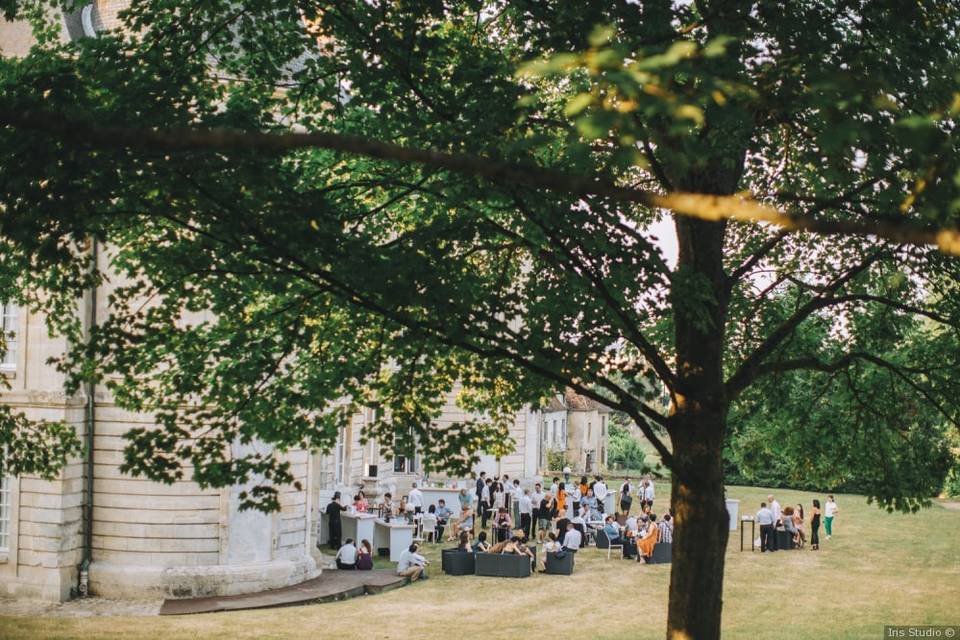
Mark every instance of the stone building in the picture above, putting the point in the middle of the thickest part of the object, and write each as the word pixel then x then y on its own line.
pixel 577 426
pixel 140 538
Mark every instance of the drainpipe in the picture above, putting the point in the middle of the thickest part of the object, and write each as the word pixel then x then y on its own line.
pixel 83 589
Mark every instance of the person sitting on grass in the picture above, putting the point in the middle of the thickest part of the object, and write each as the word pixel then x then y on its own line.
pixel 412 565
pixel 481 545
pixel 572 538
pixel 365 556
pixel 347 556
pixel 650 538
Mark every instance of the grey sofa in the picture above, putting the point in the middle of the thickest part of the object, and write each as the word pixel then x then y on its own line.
pixel 662 553
pixel 503 565
pixel 784 539
pixel 457 563
pixel 562 566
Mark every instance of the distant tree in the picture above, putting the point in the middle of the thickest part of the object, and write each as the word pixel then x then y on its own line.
pixel 625 452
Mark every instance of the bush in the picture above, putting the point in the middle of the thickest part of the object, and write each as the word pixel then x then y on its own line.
pixel 625 452
pixel 557 459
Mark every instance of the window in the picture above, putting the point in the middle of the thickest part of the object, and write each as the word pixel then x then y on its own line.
pixel 5 499
pixel 603 426
pixel 339 458
pixel 563 432
pixel 589 431
pixel 402 464
pixel 8 324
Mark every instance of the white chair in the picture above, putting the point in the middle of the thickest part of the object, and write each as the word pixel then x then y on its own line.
pixel 603 542
pixel 428 527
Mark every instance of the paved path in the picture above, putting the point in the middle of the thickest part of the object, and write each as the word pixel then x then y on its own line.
pixel 330 585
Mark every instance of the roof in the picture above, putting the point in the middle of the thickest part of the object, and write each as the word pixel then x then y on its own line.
pixel 577 402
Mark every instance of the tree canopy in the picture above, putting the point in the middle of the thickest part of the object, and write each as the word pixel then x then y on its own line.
pixel 367 203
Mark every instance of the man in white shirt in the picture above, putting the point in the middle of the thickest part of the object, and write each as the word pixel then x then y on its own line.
pixel 768 531
pixel 415 499
pixel 347 556
pixel 572 539
pixel 412 565
pixel 525 508
pixel 774 509
pixel 600 491
pixel 631 524
pixel 647 493
pixel 555 487
pixel 536 498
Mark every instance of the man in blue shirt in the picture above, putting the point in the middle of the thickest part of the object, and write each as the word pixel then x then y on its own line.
pixel 443 515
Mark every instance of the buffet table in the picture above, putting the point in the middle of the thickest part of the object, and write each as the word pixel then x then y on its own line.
pixel 393 536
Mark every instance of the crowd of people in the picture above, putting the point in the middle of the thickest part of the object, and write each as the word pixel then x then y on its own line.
pixel 771 518
pixel 500 516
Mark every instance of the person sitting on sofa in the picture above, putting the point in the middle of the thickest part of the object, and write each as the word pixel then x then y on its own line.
pixel 572 538
pixel 464 544
pixel 650 538
pixel 347 556
pixel 790 526
pixel 666 528
pixel 481 545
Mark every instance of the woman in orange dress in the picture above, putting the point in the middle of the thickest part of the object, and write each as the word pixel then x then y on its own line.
pixel 650 538
pixel 561 500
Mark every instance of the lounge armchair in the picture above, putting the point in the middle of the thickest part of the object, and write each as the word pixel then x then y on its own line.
pixel 457 563
pixel 662 553
pixel 503 565
pixel 784 539
pixel 562 566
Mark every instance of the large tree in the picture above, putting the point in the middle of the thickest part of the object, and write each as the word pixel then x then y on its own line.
pixel 363 203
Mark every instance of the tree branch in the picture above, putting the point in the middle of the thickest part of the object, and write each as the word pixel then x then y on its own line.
pixel 701 206
pixel 747 371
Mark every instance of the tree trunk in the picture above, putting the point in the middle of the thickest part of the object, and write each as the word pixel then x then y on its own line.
pixel 701 526
pixel 697 429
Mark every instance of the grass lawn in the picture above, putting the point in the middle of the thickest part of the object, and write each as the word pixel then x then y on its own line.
pixel 878 569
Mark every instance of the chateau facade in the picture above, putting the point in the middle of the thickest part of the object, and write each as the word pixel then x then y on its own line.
pixel 93 529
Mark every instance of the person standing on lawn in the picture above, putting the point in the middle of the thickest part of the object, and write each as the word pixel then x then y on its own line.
pixel 415 499
pixel 625 497
pixel 548 511
pixel 647 494
pixel 600 491
pixel 536 499
pixel 767 528
pixel 815 526
pixel 525 509
pixel 334 509
pixel 830 511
